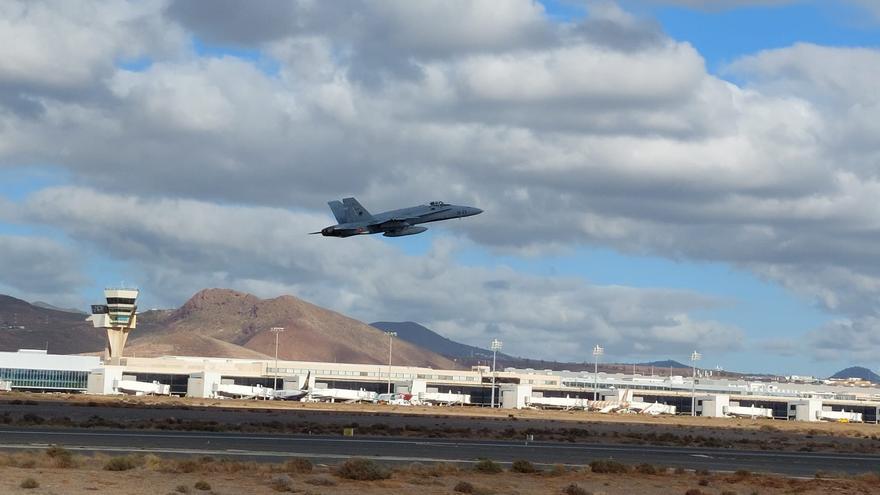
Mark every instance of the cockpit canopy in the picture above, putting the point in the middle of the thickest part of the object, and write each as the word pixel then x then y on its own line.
pixel 437 203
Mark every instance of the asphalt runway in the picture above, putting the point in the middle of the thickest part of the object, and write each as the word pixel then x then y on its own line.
pixel 326 449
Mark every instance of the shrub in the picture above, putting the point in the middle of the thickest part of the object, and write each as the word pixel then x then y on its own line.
pixel 523 466
pixel 557 470
pixel 743 473
pixel 728 492
pixel 282 483
pixel 123 463
pixel 362 470
pixel 702 472
pixel 61 457
pixel 574 489
pixel 679 470
pixel 152 462
pixel 608 466
pixel 703 482
pixel 182 489
pixel 202 485
pixel 29 483
pixel 693 491
pixel 463 487
pixel 298 465
pixel 487 466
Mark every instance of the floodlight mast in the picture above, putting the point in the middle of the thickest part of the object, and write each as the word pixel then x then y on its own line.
pixel 597 351
pixel 391 336
pixel 495 345
pixel 696 356
pixel 276 331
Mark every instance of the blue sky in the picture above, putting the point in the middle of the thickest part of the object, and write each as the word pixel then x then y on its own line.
pixel 760 307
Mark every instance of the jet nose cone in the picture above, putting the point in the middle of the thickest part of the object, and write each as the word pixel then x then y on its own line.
pixel 476 211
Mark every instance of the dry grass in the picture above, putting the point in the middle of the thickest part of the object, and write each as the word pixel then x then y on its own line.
pixel 150 476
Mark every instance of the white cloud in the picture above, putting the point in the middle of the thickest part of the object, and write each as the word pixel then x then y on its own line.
pixel 600 131
pixel 38 266
pixel 856 341
pixel 182 246
pixel 45 44
pixel 721 4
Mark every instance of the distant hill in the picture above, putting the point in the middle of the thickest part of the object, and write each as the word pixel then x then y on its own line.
pixel 45 305
pixel 669 363
pixel 26 326
pixel 857 372
pixel 468 355
pixel 429 339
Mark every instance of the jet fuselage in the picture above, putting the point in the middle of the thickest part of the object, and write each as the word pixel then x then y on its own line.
pixel 355 220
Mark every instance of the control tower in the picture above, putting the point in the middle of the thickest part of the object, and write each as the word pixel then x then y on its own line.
pixel 118 316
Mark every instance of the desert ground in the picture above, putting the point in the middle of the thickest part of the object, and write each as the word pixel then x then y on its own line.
pixel 55 471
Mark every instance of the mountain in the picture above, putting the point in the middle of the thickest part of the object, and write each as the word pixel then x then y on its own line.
pixel 669 363
pixel 424 337
pixel 26 326
pixel 45 305
pixel 857 372
pixel 468 355
pixel 215 323
pixel 226 323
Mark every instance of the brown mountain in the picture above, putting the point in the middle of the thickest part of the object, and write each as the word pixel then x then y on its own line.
pixel 25 326
pixel 226 323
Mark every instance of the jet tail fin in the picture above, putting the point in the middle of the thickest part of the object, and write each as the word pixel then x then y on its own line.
pixel 349 211
pixel 339 211
pixel 358 212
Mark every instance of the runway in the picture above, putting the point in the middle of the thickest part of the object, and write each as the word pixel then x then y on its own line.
pixel 328 449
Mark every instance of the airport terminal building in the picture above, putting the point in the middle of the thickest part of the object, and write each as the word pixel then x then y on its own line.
pixel 30 370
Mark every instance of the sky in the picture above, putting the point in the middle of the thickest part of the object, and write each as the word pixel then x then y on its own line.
pixel 657 176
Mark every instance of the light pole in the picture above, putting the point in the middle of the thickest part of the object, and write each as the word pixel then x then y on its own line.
pixel 391 336
pixel 597 351
pixel 276 331
pixel 495 345
pixel 694 358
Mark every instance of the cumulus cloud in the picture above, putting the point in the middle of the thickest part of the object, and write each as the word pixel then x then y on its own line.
pixel 38 266
pixel 185 245
pixel 721 4
pixel 62 50
pixel 599 131
pixel 855 340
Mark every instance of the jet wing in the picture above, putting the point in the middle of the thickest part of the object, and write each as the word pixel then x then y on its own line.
pixel 394 223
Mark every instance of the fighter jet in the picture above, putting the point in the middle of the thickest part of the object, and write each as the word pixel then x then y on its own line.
pixel 354 219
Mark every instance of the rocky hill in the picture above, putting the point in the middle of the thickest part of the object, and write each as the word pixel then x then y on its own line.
pixel 226 323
